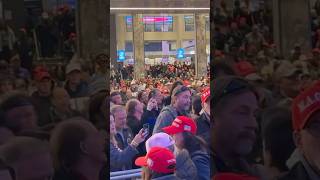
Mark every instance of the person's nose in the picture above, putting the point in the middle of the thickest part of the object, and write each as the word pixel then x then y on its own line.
pixel 252 122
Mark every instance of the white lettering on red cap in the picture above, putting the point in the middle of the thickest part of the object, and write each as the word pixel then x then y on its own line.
pixel 308 101
pixel 149 162
pixel 187 128
pixel 206 93
pixel 178 120
pixel 171 161
pixel 175 124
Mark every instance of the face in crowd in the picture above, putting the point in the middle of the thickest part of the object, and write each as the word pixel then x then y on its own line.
pixel 235 123
pixel 182 101
pixel 116 99
pixel 120 117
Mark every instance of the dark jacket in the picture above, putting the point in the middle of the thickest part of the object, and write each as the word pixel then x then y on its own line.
pixel 203 127
pixel 42 106
pixel 134 124
pixel 242 167
pixel 185 168
pixel 150 117
pixel 124 141
pixel 298 172
pixel 299 168
pixel 121 160
pixel 202 162
pixel 81 91
pixel 63 174
pixel 167 177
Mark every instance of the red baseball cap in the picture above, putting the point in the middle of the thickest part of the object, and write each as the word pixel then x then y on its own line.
pixel 233 176
pixel 205 95
pixel 181 124
pixel 39 76
pixel 158 159
pixel 244 68
pixel 304 105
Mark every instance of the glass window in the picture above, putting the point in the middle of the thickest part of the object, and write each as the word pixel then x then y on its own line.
pixel 189 23
pixel 150 46
pixel 152 23
pixel 172 45
pixel 128 20
pixel 168 24
pixel 148 23
pixel 158 24
pixel 129 46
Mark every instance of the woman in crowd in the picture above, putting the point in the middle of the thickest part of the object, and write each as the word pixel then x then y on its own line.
pixel 183 130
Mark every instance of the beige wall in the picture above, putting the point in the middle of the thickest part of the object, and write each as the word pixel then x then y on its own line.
pixel 177 35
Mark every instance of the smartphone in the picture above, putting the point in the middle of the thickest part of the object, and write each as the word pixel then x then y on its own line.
pixel 146 129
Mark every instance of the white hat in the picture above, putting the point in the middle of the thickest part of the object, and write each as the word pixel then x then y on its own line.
pixel 159 140
pixel 73 66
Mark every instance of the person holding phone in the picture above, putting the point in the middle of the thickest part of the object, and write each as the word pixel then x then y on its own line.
pixel 122 159
pixel 153 108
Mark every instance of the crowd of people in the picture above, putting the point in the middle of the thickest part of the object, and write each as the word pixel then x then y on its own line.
pixel 53 123
pixel 171 129
pixel 161 123
pixel 265 106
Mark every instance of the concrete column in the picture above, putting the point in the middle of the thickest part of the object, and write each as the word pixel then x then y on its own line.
pixel 113 39
pixel 201 55
pixel 179 28
pixel 121 32
pixel 138 46
pixel 291 25
pixel 92 28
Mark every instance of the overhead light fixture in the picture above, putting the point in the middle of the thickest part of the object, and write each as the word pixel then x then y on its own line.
pixel 142 8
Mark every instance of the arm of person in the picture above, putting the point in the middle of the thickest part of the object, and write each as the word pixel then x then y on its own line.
pixel 120 158
pixel 202 163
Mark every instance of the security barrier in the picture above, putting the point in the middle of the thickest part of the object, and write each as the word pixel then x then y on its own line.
pixel 128 174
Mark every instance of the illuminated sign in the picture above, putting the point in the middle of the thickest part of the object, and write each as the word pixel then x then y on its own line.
pixel 153 19
pixel 180 53
pixel 121 55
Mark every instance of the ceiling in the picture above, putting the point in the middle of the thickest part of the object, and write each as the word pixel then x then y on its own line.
pixel 159 6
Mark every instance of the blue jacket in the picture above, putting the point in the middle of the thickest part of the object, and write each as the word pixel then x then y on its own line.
pixel 202 162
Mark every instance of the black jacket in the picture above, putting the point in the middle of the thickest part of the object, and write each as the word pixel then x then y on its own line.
pixel 298 172
pixel 203 127
pixel 150 117
pixel 126 140
pixel 134 124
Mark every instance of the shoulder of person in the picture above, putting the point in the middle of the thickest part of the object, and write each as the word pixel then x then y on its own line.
pixel 296 173
pixel 184 163
pixel 168 110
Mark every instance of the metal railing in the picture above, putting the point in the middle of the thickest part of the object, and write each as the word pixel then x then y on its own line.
pixel 127 174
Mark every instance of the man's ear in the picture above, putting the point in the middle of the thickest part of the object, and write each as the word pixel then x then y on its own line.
pixel 83 148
